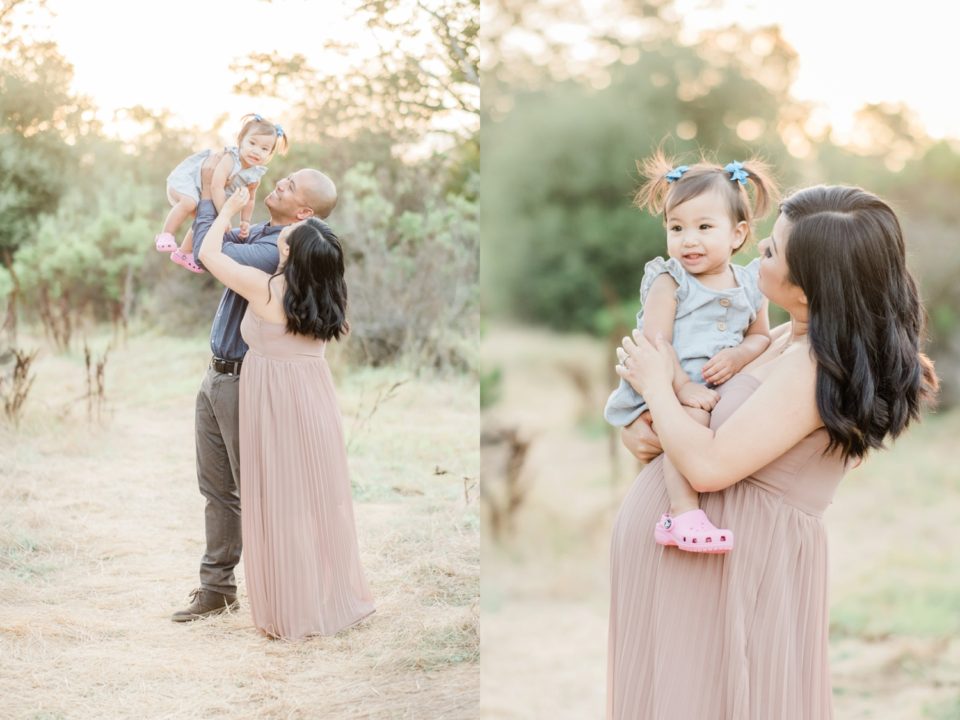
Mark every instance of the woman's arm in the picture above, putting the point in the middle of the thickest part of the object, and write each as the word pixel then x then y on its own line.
pixel 247 211
pixel 244 280
pixel 779 413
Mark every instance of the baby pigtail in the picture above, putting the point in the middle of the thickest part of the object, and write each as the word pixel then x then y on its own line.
pixel 765 192
pixel 652 194
pixel 283 141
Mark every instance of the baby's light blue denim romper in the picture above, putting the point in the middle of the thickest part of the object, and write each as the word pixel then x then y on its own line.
pixel 185 177
pixel 707 321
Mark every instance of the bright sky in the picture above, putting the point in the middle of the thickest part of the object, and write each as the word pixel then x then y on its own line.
pixel 853 52
pixel 176 54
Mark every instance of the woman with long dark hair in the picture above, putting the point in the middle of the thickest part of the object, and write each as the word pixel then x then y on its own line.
pixel 744 636
pixel 301 560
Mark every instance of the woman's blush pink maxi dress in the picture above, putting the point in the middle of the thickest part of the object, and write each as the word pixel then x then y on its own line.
pixel 300 555
pixel 741 636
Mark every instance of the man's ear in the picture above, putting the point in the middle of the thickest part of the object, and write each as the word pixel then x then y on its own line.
pixel 303 213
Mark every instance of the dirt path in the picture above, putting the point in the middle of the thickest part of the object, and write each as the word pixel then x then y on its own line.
pixel 101 534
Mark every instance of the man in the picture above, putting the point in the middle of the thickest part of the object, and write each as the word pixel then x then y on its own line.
pixel 296 197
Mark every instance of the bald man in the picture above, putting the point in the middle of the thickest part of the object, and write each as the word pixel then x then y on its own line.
pixel 296 197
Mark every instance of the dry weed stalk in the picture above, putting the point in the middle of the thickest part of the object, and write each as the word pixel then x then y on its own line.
pixel 14 389
pixel 384 394
pixel 96 381
pixel 469 485
pixel 503 503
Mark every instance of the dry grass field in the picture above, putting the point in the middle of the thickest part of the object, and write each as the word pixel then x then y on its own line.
pixel 101 529
pixel 895 559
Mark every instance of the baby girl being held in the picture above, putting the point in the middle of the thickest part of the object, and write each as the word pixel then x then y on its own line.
pixel 241 165
pixel 709 308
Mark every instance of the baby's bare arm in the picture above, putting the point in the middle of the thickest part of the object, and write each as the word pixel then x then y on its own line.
pixel 659 315
pixel 218 184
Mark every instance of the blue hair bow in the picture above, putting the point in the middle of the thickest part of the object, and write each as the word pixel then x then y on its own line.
pixel 279 130
pixel 257 118
pixel 676 173
pixel 737 172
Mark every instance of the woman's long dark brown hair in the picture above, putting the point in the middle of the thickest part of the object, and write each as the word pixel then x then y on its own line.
pixel 866 322
pixel 315 300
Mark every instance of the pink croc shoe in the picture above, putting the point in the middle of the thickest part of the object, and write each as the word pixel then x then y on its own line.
pixel 165 242
pixel 692 531
pixel 187 261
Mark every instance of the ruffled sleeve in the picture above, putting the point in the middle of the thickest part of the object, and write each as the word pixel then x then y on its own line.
pixel 252 174
pixel 234 152
pixel 749 279
pixel 657 267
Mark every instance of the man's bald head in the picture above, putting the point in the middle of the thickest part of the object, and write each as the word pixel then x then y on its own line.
pixel 300 195
pixel 320 193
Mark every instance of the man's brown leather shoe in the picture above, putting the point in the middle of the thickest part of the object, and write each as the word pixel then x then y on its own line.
pixel 205 602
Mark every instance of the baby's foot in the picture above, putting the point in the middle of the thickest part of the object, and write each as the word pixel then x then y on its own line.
pixel 692 531
pixel 165 242
pixel 186 261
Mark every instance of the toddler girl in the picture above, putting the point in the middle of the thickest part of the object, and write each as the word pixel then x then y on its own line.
pixel 709 308
pixel 240 165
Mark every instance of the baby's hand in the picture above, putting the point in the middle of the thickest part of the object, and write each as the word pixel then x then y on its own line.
pixel 244 230
pixel 696 395
pixel 723 366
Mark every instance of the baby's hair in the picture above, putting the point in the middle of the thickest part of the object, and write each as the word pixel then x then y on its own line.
pixel 660 193
pixel 257 125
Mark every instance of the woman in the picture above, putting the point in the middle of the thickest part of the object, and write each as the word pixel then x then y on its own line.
pixel 301 561
pixel 745 636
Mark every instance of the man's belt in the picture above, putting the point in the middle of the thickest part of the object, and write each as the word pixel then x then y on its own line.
pixel 228 367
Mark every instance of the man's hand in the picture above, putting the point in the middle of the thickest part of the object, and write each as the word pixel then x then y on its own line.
pixel 640 439
pixel 244 231
pixel 206 174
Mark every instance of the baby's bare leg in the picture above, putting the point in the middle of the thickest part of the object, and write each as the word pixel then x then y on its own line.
pixel 682 496
pixel 186 247
pixel 183 207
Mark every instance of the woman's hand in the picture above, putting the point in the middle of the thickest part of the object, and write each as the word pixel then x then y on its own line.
pixel 244 232
pixel 235 202
pixel 644 366
pixel 639 438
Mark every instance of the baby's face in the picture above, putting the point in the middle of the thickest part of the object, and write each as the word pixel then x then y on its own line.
pixel 256 149
pixel 701 235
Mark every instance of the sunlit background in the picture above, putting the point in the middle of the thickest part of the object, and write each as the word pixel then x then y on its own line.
pixel 104 343
pixel 573 94
pixel 103 99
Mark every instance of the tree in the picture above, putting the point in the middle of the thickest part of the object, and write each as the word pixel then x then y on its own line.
pixel 564 245
pixel 38 116
pixel 420 84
